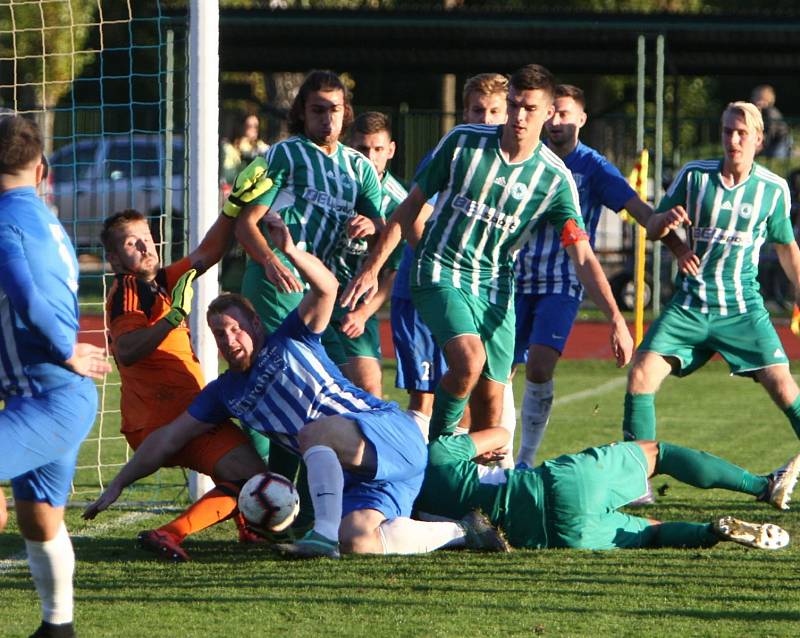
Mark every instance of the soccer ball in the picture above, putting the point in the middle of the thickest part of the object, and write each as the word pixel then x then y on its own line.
pixel 269 501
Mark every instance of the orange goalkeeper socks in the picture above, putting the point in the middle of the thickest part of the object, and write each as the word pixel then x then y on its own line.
pixel 217 505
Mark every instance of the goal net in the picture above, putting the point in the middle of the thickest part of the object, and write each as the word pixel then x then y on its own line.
pixel 106 81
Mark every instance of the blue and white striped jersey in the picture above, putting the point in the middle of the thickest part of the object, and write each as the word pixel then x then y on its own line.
pixel 38 296
pixel 542 265
pixel 291 383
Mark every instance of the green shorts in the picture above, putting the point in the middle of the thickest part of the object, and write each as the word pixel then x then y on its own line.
pixel 341 348
pixel 272 305
pixel 450 312
pixel 748 342
pixel 583 491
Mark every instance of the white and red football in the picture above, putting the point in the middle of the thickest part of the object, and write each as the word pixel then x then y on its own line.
pixel 269 501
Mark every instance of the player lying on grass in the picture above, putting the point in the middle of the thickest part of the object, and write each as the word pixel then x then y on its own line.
pixel 365 458
pixel 572 501
pixel 159 372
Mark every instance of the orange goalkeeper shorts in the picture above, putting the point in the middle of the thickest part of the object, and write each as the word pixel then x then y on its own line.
pixel 201 453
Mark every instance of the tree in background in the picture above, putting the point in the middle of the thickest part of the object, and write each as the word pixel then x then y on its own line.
pixel 42 50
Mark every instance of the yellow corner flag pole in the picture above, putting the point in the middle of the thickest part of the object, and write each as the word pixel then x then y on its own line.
pixel 638 180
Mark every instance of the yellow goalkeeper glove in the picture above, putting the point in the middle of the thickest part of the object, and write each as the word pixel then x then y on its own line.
pixel 250 183
pixel 795 325
pixel 182 295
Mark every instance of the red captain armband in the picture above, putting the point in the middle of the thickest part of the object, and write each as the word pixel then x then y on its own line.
pixel 572 233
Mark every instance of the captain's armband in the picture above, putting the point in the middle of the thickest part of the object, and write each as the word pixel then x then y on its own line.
pixel 572 233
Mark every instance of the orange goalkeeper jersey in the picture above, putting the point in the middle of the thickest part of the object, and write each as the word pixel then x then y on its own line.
pixel 156 388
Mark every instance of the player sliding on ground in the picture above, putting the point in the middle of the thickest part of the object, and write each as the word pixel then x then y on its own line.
pixel 365 458
pixel 159 372
pixel 572 501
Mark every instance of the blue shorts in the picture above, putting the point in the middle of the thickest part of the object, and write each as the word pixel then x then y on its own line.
pixel 40 438
pixel 420 362
pixel 543 320
pixel 401 455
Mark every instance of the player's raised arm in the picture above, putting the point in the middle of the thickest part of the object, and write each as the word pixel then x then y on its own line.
pixel 401 222
pixel 151 455
pixel 591 276
pixel 317 305
pixel 250 183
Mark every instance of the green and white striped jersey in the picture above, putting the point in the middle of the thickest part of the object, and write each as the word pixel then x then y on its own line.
pixel 729 227
pixel 486 210
pixel 393 194
pixel 317 195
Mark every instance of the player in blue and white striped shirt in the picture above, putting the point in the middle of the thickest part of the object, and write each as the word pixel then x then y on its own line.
pixel 548 290
pixel 50 402
pixel 365 457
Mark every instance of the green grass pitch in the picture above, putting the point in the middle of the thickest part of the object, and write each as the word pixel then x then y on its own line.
pixel 231 590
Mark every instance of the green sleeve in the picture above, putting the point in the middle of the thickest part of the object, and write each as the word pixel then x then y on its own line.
pixel 450 449
pixel 565 205
pixel 368 202
pixel 779 224
pixel 277 171
pixel 434 176
pixel 676 193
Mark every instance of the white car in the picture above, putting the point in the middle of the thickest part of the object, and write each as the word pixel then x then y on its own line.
pixel 95 177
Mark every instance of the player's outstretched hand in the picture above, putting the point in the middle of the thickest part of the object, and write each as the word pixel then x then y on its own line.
pixel 88 361
pixel 353 324
pixel 621 343
pixel 361 226
pixel 105 501
pixel 795 325
pixel 364 284
pixel 250 183
pixel 660 224
pixel 182 294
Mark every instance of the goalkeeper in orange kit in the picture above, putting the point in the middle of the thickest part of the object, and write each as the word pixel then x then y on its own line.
pixel 145 311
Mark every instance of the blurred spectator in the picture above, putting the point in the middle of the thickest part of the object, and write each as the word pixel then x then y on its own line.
pixel 246 145
pixel 777 137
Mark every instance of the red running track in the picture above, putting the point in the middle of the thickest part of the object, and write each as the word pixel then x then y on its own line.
pixel 589 340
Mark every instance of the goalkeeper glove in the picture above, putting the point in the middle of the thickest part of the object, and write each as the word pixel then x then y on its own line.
pixel 182 295
pixel 795 325
pixel 250 183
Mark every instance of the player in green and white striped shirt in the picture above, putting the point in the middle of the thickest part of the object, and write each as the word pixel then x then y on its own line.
pixel 327 194
pixel 357 331
pixel 494 184
pixel 733 206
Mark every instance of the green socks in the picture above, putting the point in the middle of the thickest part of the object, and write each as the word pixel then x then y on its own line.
pixel 260 443
pixel 793 412
pixel 447 412
pixel 706 471
pixel 639 420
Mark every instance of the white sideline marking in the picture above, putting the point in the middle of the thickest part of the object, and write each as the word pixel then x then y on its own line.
pixel 590 392
pixel 19 560
pixel 126 520
pixel 15 561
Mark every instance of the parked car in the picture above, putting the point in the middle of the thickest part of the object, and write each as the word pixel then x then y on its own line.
pixel 95 177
